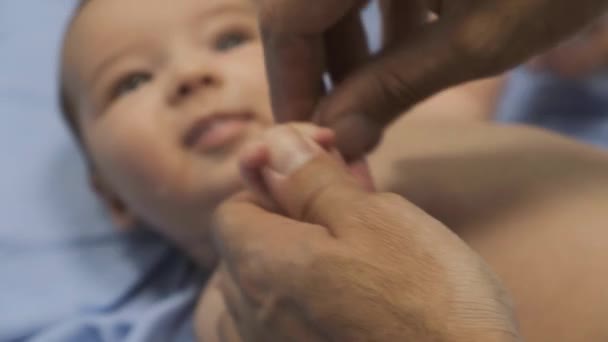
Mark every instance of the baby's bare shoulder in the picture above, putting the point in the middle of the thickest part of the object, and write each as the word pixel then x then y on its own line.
pixel 532 203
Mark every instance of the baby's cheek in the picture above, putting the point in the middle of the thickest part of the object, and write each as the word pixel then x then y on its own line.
pixel 138 172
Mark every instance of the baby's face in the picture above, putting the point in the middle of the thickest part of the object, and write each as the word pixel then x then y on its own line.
pixel 166 93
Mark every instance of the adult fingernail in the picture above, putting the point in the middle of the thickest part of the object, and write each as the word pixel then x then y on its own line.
pixel 290 151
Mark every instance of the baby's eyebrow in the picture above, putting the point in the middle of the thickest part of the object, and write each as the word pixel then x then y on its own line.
pixel 223 9
pixel 108 62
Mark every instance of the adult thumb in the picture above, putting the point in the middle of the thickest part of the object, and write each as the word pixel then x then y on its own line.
pixel 310 183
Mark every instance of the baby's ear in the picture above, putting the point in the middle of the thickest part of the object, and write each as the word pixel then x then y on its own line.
pixel 122 217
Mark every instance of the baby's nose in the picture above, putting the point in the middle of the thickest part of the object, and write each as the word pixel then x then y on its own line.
pixel 189 86
pixel 188 83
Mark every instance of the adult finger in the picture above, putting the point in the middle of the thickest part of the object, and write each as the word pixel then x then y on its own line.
pixel 295 66
pixel 245 233
pixel 308 183
pixel 582 56
pixel 237 304
pixel 401 19
pixel 241 308
pixel 469 40
pixel 293 37
pixel 346 46
pixel 360 108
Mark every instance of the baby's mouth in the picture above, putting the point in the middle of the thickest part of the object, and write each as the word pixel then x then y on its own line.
pixel 217 131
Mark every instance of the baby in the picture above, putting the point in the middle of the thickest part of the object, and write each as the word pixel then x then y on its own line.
pixel 163 96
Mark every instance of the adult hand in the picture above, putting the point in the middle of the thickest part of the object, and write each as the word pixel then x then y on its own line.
pixel 344 263
pixel 469 39
pixel 580 56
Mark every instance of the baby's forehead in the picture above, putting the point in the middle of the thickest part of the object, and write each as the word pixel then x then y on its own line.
pixel 111 20
pixel 104 25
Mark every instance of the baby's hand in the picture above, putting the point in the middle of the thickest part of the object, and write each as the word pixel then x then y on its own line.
pixel 211 318
pixel 261 179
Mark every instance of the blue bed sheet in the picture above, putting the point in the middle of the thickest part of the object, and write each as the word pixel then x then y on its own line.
pixel 574 107
pixel 65 274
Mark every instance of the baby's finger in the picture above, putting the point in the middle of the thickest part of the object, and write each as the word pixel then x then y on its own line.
pixel 257 155
pixel 253 158
pixel 321 135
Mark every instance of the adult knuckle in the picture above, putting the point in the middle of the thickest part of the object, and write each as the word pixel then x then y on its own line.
pixel 317 201
pixel 393 89
pixel 332 193
pixel 479 45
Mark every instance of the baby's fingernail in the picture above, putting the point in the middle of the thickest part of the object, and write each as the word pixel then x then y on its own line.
pixel 290 151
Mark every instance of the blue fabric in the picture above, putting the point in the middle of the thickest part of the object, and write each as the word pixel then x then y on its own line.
pixel 65 274
pixel 577 108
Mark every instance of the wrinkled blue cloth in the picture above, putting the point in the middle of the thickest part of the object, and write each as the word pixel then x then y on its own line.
pixel 576 108
pixel 65 273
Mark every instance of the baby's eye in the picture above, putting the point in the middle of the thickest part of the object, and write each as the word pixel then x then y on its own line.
pixel 130 83
pixel 231 40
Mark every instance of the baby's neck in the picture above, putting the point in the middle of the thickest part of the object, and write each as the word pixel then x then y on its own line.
pixel 196 242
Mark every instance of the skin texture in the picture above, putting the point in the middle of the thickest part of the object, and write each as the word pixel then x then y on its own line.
pixel 469 39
